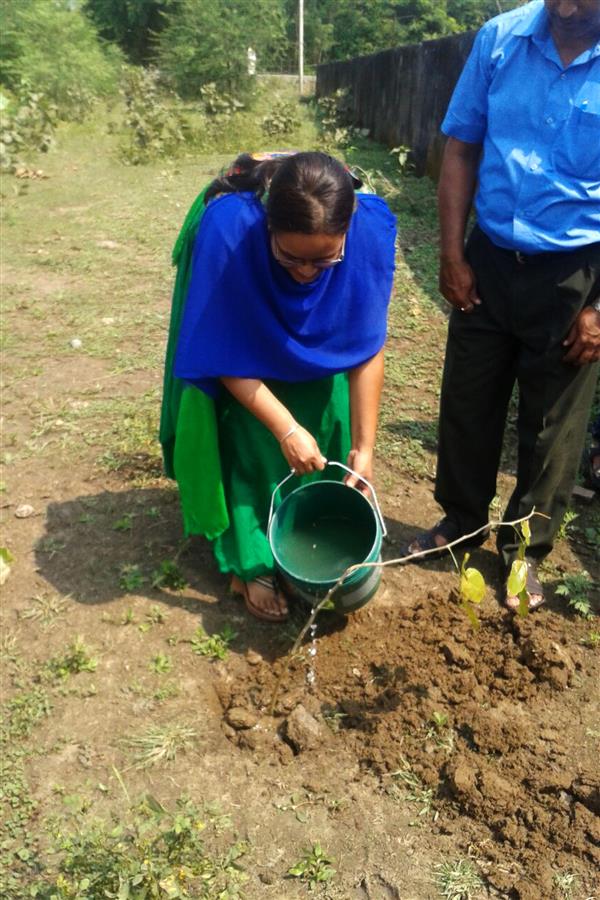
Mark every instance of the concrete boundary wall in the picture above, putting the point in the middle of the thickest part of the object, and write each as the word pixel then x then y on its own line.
pixel 401 95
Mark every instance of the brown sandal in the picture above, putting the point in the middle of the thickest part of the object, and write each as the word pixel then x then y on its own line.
pixel 243 588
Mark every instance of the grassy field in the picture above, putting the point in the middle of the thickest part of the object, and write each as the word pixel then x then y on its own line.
pixel 137 757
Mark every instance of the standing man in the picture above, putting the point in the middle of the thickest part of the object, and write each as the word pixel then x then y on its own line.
pixel 523 128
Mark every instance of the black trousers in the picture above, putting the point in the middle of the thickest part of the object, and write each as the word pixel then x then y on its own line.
pixel 528 306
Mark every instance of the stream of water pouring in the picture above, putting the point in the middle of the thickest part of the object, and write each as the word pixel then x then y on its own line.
pixel 312 653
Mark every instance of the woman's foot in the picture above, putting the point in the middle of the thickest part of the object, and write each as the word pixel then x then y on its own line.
pixel 534 589
pixel 262 599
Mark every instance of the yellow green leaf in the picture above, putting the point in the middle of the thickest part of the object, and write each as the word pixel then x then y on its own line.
pixel 472 585
pixel 517 578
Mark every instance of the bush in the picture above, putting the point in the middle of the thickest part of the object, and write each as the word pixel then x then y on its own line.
pixel 282 119
pixel 54 50
pixel 154 127
pixel 26 123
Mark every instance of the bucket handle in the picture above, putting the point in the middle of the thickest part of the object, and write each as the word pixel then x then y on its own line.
pixel 350 471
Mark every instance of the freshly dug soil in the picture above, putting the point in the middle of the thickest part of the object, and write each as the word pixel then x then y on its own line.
pixel 471 723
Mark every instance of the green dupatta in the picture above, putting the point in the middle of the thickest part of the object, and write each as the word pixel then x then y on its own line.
pixel 188 424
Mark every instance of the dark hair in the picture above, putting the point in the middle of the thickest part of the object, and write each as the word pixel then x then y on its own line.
pixel 311 193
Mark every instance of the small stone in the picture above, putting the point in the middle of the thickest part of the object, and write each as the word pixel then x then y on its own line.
pixel 303 731
pixel 108 320
pixel 107 245
pixel 457 655
pixel 76 344
pixel 240 718
pixel 253 658
pixel 24 511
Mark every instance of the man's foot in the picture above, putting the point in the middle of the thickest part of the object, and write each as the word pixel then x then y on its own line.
pixel 533 586
pixel 261 597
pixel 432 544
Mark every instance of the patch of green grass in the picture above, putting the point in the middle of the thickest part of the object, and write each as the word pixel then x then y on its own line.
pixel 565 883
pixel 407 786
pixel 458 880
pixel 160 744
pixel 45 609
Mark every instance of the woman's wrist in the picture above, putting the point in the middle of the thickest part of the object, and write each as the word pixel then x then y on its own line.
pixel 287 434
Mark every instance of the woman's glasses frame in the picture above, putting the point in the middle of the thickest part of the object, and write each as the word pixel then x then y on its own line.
pixel 290 262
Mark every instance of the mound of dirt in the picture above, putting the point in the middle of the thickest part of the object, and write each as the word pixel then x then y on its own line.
pixel 487 728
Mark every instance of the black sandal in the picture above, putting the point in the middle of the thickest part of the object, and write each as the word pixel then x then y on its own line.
pixel 425 542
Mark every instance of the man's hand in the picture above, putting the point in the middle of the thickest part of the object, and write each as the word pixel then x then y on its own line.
pixel 457 284
pixel 583 339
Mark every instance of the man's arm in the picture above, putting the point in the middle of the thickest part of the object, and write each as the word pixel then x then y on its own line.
pixel 455 196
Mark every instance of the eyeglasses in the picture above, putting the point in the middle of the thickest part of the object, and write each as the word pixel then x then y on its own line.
pixel 292 262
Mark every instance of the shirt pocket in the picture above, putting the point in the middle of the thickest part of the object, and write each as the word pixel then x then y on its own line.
pixel 577 148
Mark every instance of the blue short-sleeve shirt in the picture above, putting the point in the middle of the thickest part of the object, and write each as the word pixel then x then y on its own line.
pixel 539 124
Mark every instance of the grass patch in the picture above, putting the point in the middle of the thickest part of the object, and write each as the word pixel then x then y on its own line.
pixel 160 744
pixel 458 880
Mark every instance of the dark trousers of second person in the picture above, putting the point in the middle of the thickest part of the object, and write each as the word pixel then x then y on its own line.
pixel 516 336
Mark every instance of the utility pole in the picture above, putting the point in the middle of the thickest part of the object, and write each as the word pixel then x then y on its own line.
pixel 301 44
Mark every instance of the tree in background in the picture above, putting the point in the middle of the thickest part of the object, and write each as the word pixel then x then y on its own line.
pixel 132 24
pixel 52 48
pixel 339 29
pixel 206 41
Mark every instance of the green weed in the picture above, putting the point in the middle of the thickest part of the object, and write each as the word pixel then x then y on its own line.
pixel 157 854
pixel 592 640
pixel 76 659
pixel 168 575
pixel 161 664
pixel 566 526
pixel 131 579
pixel 215 646
pixel 314 867
pixel 576 588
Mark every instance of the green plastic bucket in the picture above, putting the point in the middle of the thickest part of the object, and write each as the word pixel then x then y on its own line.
pixel 317 532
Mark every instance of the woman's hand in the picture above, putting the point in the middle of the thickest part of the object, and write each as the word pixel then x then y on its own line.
pixel 302 452
pixel 362 463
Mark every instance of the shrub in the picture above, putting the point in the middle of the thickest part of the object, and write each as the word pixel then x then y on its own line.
pixel 282 119
pixel 26 123
pixel 36 35
pixel 154 128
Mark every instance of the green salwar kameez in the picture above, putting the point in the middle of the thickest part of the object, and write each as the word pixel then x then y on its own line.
pixel 252 464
